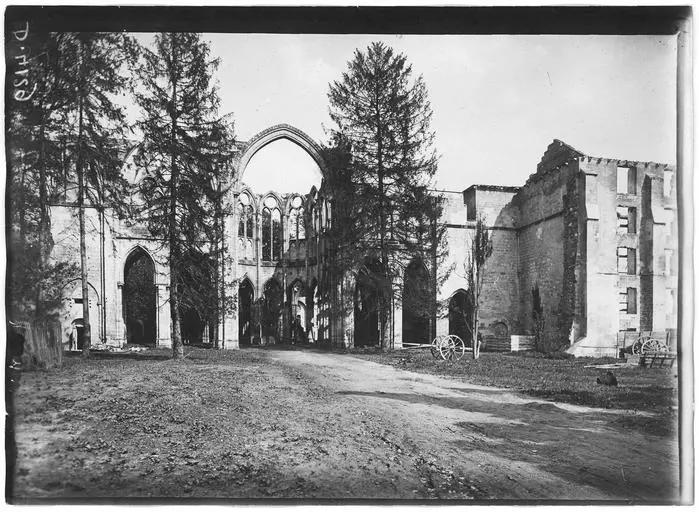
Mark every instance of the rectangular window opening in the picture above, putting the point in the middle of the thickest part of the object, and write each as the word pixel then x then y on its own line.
pixel 622 180
pixel 622 218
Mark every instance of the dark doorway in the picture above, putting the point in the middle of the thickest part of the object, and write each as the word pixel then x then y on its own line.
pixel 199 297
pixel 417 303
pixel 192 326
pixel 367 305
pixel 272 303
pixel 245 298
pixel 460 316
pixel 139 299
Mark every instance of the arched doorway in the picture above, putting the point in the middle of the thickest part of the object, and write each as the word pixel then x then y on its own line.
pixel 245 300
pixel 139 298
pixel 272 302
pixel 77 334
pixel 460 316
pixel 417 303
pixel 368 296
pixel 199 299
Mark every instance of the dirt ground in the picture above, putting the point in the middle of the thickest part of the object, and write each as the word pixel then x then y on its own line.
pixel 306 424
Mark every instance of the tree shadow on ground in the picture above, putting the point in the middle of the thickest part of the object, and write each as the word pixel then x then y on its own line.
pixel 572 444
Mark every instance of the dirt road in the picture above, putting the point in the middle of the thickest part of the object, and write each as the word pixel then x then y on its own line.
pixel 508 446
pixel 305 424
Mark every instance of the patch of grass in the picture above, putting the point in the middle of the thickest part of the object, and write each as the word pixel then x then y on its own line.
pixel 561 379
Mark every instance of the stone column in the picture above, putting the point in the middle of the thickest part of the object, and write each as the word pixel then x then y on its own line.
pixel 230 281
pixel 257 250
pixel 286 317
pixel 442 325
pixel 120 334
pixel 163 319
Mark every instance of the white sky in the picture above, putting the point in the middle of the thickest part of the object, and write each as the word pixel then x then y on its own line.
pixel 498 101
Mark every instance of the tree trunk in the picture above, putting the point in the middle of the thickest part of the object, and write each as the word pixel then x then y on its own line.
pixel 81 214
pixel 383 301
pixel 43 219
pixel 177 348
pixel 476 299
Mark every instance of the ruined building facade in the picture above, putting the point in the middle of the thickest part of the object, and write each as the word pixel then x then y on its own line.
pixel 597 237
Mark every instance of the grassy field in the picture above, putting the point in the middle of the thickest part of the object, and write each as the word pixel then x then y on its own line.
pixel 564 380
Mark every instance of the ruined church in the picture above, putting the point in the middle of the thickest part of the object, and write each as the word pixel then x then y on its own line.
pixel 596 237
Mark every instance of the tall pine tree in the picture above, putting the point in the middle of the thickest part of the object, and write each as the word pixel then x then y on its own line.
pixel 35 131
pixel 185 152
pixel 386 208
pixel 97 62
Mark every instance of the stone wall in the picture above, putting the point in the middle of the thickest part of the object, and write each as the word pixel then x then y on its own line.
pixel 547 236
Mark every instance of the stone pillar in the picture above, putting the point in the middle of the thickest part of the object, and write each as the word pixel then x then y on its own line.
pixel 286 317
pixel 230 282
pixel 163 319
pixel 257 250
pixel 601 286
pixel 442 325
pixel 120 335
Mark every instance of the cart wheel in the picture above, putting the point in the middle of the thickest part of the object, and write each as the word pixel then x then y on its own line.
pixel 452 348
pixel 653 345
pixel 445 348
pixel 459 346
pixel 434 348
pixel 636 347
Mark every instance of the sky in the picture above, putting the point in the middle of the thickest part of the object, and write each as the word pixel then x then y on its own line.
pixel 498 101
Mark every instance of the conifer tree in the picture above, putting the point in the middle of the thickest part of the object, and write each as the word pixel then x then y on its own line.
pixel 35 172
pixel 387 210
pixel 71 118
pixel 97 62
pixel 185 153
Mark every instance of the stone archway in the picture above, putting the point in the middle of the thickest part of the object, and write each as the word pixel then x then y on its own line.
pixel 246 297
pixel 368 296
pixel 417 300
pixel 271 314
pixel 274 133
pixel 139 298
pixel 460 316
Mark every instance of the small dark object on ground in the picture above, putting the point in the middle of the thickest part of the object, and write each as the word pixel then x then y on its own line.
pixel 607 379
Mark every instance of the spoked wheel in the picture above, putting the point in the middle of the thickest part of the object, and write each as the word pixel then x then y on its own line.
pixel 637 346
pixel 452 348
pixel 434 349
pixel 653 345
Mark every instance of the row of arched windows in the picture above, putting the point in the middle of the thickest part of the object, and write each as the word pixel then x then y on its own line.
pixel 271 225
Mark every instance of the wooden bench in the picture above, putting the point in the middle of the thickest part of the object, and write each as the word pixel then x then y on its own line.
pixel 658 359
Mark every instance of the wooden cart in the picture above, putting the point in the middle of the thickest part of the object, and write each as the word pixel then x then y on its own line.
pixel 447 346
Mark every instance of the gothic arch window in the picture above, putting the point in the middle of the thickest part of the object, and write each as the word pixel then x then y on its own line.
pixel 297 229
pixel 245 223
pixel 271 230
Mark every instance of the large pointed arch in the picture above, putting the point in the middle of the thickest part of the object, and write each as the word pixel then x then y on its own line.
pixel 139 297
pixel 277 132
